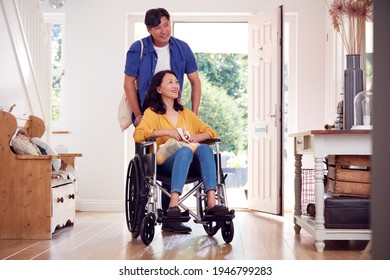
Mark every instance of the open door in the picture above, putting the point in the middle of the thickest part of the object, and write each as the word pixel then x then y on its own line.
pixel 265 112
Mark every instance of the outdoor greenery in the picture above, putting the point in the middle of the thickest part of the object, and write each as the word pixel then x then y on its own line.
pixel 56 62
pixel 224 97
pixel 369 69
pixel 56 98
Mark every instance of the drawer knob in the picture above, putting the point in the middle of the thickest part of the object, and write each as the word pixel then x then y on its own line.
pixel 60 200
pixel 71 196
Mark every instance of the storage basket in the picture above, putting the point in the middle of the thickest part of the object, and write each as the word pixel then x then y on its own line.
pixel 308 189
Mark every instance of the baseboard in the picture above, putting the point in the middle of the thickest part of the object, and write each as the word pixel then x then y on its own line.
pixel 100 205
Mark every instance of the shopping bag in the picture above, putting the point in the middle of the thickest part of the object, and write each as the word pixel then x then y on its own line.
pixel 172 145
pixel 124 110
pixel 124 113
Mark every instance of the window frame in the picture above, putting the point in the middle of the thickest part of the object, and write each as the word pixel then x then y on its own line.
pixel 335 66
pixel 57 19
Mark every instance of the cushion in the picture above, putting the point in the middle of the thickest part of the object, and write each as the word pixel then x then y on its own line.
pixel 48 150
pixel 23 145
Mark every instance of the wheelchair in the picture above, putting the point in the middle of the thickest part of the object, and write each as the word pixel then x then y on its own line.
pixel 144 190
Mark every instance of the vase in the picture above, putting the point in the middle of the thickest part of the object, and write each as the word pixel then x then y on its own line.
pixel 353 84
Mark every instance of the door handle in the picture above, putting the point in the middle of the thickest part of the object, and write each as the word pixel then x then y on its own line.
pixel 273 116
pixel 260 52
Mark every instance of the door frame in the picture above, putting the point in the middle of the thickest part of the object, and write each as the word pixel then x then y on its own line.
pixel 134 18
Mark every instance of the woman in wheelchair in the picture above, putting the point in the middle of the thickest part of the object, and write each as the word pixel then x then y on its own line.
pixel 164 114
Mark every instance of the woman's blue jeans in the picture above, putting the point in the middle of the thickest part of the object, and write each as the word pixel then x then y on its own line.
pixel 184 161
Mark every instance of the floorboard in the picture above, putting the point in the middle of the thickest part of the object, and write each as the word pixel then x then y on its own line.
pixel 104 236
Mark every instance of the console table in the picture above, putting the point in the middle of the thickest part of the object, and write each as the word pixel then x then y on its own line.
pixel 320 143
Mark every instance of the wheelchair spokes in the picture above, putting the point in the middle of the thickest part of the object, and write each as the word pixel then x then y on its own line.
pixel 135 197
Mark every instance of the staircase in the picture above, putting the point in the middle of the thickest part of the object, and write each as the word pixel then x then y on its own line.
pixel 25 56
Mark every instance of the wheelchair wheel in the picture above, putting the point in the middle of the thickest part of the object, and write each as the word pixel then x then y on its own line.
pixel 227 231
pixel 135 196
pixel 211 228
pixel 147 228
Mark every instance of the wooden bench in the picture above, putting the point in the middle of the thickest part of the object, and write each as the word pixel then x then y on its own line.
pixel 33 200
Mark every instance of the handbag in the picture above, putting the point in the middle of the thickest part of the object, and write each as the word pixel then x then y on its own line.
pixel 124 110
pixel 172 145
pixel 124 113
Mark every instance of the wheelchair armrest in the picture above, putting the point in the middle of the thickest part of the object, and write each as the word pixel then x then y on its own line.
pixel 211 141
pixel 148 142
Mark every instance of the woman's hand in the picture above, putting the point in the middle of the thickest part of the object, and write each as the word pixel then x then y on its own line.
pixel 173 133
pixel 196 138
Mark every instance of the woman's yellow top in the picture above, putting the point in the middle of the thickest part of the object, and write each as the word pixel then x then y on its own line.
pixel 153 121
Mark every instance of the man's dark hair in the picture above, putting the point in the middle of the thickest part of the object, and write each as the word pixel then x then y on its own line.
pixel 153 17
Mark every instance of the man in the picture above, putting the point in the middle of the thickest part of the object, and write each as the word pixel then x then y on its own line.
pixel 157 52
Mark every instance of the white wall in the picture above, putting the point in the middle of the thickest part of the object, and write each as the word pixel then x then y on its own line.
pixel 95 57
pixel 11 87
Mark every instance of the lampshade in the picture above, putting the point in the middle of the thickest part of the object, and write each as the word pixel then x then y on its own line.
pixel 56 3
pixel 363 110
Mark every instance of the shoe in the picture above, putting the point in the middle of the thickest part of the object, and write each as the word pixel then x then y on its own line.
pixel 217 210
pixel 174 212
pixel 175 227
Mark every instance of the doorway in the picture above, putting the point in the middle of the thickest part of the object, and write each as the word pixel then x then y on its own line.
pixel 223 65
pixel 136 29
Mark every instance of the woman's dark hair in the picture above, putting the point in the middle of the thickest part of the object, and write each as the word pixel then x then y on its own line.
pixel 153 17
pixel 153 98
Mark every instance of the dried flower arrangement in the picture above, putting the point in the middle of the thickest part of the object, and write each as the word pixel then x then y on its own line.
pixel 349 18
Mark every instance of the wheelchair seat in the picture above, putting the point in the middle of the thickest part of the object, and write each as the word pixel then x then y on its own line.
pixel 144 190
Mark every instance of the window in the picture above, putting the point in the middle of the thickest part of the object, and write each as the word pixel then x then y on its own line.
pixel 369 54
pixel 57 71
pixel 57 32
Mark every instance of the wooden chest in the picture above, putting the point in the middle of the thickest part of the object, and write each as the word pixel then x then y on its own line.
pixel 349 175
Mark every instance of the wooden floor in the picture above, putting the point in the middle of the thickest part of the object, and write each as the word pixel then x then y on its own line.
pixel 104 236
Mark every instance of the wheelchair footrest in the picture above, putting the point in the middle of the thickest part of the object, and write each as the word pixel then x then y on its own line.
pixel 185 217
pixel 227 217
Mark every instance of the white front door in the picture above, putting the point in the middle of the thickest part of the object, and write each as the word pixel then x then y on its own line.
pixel 264 111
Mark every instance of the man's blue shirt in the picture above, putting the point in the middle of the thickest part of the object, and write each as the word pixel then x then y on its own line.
pixel 181 57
